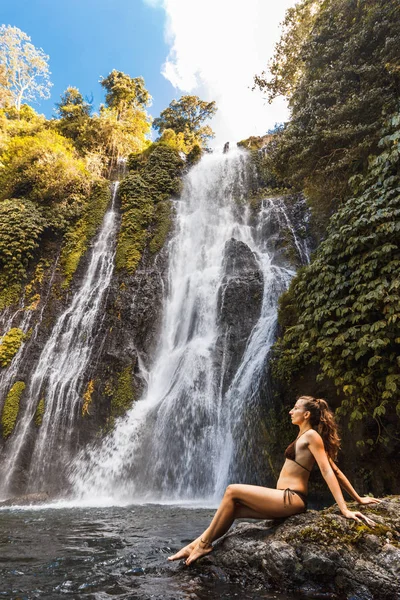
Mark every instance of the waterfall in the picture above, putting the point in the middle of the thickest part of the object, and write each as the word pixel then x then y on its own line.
pixel 60 371
pixel 178 440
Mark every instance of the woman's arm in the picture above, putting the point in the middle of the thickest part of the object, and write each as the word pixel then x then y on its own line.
pixel 346 485
pixel 316 447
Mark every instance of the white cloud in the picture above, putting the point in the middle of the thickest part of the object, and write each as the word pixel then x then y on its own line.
pixel 217 46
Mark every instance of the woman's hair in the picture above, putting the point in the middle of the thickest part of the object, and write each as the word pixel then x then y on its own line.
pixel 323 420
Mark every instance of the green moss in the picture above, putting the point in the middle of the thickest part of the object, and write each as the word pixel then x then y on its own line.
pixel 9 293
pixel 78 237
pixel 11 408
pixel 39 412
pixel 123 394
pixel 162 226
pixel 10 344
pixel 146 213
pixel 330 531
pixel 87 398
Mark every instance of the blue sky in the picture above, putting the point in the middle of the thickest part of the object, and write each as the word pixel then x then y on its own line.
pixel 86 39
pixel 208 48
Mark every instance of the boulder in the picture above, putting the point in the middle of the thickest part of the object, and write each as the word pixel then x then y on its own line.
pixel 317 554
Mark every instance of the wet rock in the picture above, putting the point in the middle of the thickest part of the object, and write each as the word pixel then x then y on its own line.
pixel 239 306
pixel 27 500
pixel 317 554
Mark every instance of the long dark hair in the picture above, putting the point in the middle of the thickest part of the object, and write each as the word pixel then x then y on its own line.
pixel 323 420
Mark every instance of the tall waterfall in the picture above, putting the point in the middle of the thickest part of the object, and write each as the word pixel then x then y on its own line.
pixel 58 375
pixel 178 440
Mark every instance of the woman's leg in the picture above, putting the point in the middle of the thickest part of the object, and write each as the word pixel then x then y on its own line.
pixel 240 501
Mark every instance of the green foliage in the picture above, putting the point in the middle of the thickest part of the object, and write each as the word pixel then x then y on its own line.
pixel 14 123
pixel 21 225
pixel 144 193
pixel 287 65
pixel 11 408
pixel 39 412
pixel 162 171
pixel 74 115
pixel 186 116
pixel 9 292
pixel 194 155
pixel 162 219
pixel 124 394
pixel 10 343
pixel 78 236
pixel 25 73
pixel 124 92
pixel 338 62
pixel 137 214
pixel 342 312
pixel 122 127
pixel 45 169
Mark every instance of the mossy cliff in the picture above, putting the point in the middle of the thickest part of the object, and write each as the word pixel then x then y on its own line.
pixel 154 176
pixel 11 408
pixel 10 344
pixel 78 236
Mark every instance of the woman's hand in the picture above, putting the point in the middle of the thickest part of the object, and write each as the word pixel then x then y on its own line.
pixel 358 516
pixel 369 500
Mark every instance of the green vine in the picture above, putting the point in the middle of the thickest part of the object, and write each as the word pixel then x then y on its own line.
pixel 342 312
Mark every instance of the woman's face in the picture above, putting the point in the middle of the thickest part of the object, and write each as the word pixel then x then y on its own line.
pixel 298 412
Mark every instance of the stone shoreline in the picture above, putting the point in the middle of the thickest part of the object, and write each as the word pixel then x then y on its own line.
pixel 317 554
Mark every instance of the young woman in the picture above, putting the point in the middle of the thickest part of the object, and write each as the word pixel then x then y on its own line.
pixel 317 441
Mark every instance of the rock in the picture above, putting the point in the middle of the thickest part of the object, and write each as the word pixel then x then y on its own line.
pixel 239 305
pixel 27 500
pixel 317 554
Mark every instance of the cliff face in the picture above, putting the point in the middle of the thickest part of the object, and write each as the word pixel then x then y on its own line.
pixel 239 306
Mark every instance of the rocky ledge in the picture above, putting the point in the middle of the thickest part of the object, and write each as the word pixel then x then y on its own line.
pixel 317 554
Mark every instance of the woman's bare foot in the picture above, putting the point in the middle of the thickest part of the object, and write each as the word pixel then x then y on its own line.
pixel 201 549
pixel 185 552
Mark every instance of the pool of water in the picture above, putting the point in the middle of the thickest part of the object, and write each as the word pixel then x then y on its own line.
pixel 109 552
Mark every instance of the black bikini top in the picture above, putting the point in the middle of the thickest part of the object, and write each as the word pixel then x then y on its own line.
pixel 290 453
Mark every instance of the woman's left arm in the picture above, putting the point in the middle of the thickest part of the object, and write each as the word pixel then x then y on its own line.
pixel 346 485
pixel 316 447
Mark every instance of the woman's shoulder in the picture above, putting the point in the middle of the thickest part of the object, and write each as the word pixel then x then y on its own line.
pixel 312 436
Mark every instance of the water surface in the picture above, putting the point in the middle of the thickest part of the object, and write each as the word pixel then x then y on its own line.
pixel 111 552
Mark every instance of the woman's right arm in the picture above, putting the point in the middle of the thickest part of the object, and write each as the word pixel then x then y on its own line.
pixel 346 485
pixel 316 447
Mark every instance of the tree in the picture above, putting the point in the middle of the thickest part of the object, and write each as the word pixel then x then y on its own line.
pixel 5 94
pixel 26 70
pixel 187 116
pixel 45 169
pixel 339 65
pixel 125 93
pixel 72 105
pixel 287 65
pixel 74 113
pixel 123 124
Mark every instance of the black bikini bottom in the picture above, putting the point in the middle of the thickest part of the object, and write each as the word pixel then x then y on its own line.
pixel 287 497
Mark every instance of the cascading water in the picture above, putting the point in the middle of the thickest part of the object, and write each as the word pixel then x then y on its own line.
pixel 176 442
pixel 25 315
pixel 58 375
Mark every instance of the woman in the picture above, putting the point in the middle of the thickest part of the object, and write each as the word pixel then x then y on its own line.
pixel 317 441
